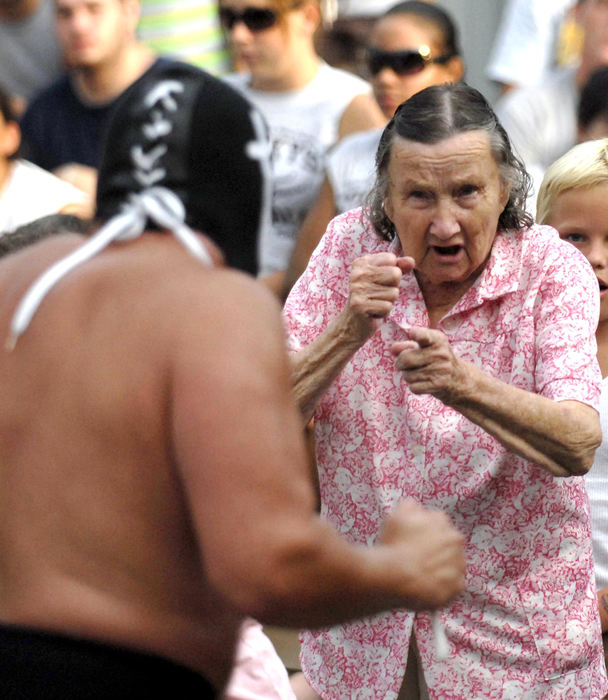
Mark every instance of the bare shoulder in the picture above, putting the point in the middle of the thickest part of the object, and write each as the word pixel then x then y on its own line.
pixel 227 299
pixel 362 113
pixel 233 321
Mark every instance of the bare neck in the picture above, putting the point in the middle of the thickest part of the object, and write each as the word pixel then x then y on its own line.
pixel 106 81
pixel 298 74
pixel 6 167
pixel 440 298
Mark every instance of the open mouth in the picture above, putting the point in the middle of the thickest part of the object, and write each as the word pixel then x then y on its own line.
pixel 449 250
pixel 603 285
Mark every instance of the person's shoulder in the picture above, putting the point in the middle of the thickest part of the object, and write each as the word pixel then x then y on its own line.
pixel 351 235
pixel 542 243
pixel 58 91
pixel 555 84
pixel 540 235
pixel 356 144
pixel 238 80
pixel 531 238
pixel 342 80
pixel 226 287
pixel 222 302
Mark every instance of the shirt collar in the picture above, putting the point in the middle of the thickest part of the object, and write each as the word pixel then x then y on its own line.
pixel 501 276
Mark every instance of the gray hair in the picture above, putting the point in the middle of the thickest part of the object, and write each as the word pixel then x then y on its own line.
pixel 437 113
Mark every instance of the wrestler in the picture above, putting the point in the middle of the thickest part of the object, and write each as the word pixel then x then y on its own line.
pixel 154 481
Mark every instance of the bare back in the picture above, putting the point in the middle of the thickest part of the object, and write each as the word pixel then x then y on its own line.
pixel 99 399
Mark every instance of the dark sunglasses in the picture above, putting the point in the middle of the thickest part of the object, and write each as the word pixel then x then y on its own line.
pixel 402 62
pixel 255 19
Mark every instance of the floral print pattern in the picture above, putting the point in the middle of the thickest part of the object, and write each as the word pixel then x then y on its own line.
pixel 527 625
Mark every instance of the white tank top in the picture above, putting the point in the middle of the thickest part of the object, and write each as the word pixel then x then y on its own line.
pixel 351 168
pixel 303 125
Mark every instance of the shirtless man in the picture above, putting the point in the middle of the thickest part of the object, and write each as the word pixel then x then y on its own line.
pixel 154 479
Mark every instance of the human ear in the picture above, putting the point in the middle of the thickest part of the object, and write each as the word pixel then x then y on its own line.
pixel 311 12
pixel 387 206
pixel 505 193
pixel 455 68
pixel 10 139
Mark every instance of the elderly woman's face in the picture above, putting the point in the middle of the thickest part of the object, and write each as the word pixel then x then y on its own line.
pixel 445 200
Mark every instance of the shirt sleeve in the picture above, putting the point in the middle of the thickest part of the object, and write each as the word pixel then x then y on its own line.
pixel 322 290
pixel 567 311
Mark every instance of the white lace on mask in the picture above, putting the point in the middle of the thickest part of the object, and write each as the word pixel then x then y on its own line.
pixel 156 204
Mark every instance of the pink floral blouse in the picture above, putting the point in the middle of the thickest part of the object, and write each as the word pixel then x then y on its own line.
pixel 527 626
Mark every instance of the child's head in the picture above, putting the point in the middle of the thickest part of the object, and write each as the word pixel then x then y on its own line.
pixel 573 198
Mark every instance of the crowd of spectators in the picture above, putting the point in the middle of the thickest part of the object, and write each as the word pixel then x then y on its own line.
pixel 444 346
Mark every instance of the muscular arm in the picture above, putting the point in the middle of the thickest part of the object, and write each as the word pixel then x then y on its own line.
pixel 239 449
pixel 560 436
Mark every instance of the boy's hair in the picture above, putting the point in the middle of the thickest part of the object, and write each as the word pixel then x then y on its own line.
pixel 584 165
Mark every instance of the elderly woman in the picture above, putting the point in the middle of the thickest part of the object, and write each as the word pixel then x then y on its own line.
pixel 446 348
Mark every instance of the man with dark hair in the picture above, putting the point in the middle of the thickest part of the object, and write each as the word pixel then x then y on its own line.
pixel 154 482
pixel 64 123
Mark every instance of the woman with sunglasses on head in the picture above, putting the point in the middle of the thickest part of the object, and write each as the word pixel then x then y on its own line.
pixel 308 106
pixel 412 46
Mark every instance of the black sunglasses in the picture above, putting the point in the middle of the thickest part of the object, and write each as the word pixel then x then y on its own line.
pixel 402 62
pixel 255 19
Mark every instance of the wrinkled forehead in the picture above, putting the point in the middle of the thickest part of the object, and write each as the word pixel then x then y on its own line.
pixel 466 154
